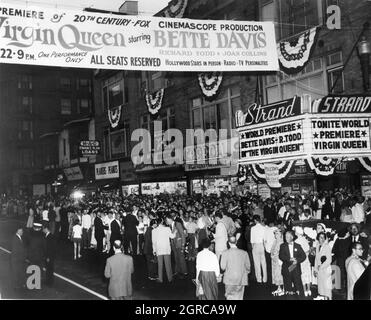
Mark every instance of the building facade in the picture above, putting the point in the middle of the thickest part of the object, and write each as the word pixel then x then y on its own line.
pixel 36 103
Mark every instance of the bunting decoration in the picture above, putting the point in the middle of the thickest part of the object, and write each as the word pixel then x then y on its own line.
pixel 366 163
pixel 154 101
pixel 114 116
pixel 323 166
pixel 294 55
pixel 176 9
pixel 258 170
pixel 210 83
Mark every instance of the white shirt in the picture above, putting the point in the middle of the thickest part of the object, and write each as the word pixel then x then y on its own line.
pixel 140 228
pixel 257 234
pixel 45 215
pixel 200 223
pixel 282 211
pixel 77 231
pixel 291 249
pixel 269 238
pixel 207 261
pixel 86 221
pixel 358 213
pixel 161 240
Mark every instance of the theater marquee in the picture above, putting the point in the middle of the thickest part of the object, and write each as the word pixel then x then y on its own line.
pixel 55 37
pixel 336 127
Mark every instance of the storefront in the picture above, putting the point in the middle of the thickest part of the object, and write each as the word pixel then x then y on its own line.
pixel 129 179
pixel 107 177
pixel 155 179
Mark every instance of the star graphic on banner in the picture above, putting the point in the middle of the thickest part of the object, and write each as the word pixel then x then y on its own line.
pixel 298 126
pixel 315 135
pixel 364 133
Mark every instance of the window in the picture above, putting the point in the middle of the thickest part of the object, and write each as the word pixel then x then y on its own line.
pixel 65 83
pixel 106 145
pixel 218 114
pixel 120 142
pixel 83 105
pixel 25 105
pixel 25 130
pixel 66 106
pixel 83 83
pixel 296 16
pixel 114 92
pixel 316 79
pixel 167 118
pixel 154 81
pixel 25 82
pixel 26 158
pixel 335 75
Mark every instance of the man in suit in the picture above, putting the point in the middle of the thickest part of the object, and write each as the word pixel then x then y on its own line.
pixel 292 255
pixel 355 235
pixel 36 246
pixel 119 269
pixel 50 251
pixel 269 212
pixel 178 245
pixel 17 260
pixel 130 223
pixel 331 209
pixel 99 232
pixel 115 233
pixel 236 265
pixel 148 251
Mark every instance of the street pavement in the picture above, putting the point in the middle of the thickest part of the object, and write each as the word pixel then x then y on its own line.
pixel 83 279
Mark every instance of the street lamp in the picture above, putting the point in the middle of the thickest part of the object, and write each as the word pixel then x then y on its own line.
pixel 364 51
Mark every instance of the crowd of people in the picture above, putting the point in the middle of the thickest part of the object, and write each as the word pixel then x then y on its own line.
pixel 227 238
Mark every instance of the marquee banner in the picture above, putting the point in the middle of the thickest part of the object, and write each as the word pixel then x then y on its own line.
pixel 273 132
pixel 64 38
pixel 341 134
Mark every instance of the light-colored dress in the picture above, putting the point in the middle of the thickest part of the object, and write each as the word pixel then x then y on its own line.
pixel 277 278
pixel 306 271
pixel 324 280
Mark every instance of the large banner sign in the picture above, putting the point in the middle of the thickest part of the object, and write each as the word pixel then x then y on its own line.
pixel 271 133
pixel 107 170
pixel 64 38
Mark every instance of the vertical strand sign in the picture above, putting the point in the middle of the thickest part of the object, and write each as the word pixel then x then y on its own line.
pixel 65 38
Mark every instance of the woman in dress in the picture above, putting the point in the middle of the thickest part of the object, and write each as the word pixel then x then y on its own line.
pixel 306 271
pixel 277 263
pixel 322 266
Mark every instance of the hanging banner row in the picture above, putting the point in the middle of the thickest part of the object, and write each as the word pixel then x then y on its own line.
pixel 55 37
pixel 281 131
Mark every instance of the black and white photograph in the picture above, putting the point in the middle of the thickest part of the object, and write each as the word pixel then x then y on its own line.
pixel 185 151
